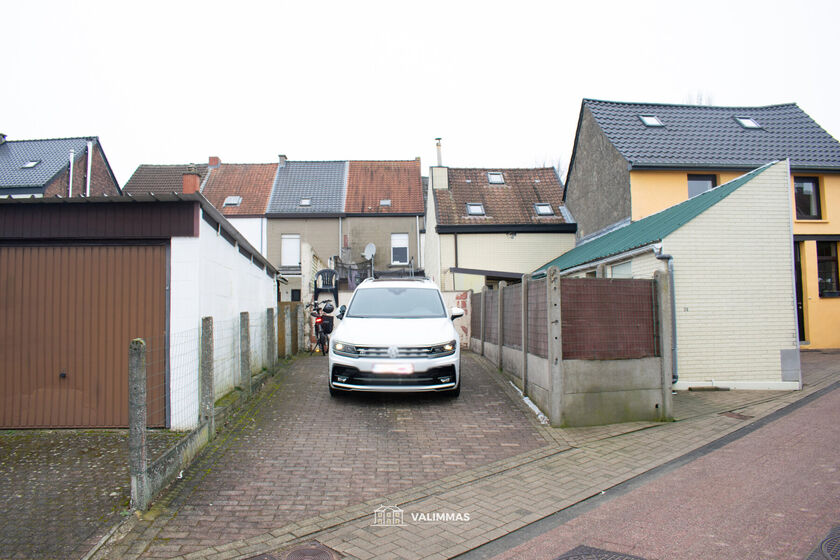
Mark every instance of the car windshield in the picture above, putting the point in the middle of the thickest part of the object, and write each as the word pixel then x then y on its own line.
pixel 397 303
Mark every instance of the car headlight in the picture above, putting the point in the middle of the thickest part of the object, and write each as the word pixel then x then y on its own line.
pixel 443 349
pixel 344 349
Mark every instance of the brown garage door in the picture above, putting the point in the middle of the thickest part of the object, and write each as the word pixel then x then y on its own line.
pixel 68 315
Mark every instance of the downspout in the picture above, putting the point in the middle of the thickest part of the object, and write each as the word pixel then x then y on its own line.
pixel 670 260
pixel 70 180
pixel 340 238
pixel 417 220
pixel 89 163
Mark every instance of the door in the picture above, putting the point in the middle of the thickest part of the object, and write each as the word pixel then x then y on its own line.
pixel 800 309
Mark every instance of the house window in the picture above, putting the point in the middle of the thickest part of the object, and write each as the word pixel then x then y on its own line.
pixel 827 268
pixel 30 164
pixel 807 196
pixel 295 294
pixel 496 178
pixel 622 270
pixel 290 249
pixel 306 202
pixel 399 248
pixel 475 209
pixel 651 120
pixel 233 201
pixel 543 209
pixel 698 184
pixel 747 122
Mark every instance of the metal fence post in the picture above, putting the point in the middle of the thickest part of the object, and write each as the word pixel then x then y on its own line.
pixel 207 381
pixel 525 279
pixel 555 348
pixel 287 330
pixel 137 458
pixel 270 337
pixel 500 324
pixel 245 351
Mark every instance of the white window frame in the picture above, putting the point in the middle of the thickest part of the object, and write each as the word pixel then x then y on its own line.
pixel 400 241
pixel 475 209
pixel 625 269
pixel 232 200
pixel 495 178
pixel 290 249
pixel 748 122
pixel 305 201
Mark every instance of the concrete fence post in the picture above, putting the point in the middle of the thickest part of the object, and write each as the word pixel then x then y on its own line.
pixel 662 303
pixel 500 333
pixel 299 317
pixel 245 351
pixel 287 330
pixel 601 271
pixel 483 309
pixel 270 338
pixel 137 458
pixel 207 382
pixel 555 348
pixel 525 279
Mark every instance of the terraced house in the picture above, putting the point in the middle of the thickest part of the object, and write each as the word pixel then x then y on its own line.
pixel 632 160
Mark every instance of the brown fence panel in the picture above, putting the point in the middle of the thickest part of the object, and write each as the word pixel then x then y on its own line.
pixel 608 319
pixel 491 311
pixel 69 314
pixel 512 316
pixel 537 318
pixel 475 318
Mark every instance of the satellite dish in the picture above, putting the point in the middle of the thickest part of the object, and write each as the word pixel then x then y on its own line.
pixel 369 252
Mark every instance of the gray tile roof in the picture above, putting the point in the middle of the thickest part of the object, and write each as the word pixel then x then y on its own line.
pixel 324 182
pixel 697 136
pixel 52 155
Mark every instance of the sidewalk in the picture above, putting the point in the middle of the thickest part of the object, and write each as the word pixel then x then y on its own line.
pixel 497 497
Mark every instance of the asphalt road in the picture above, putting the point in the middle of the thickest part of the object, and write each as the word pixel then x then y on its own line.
pixel 773 493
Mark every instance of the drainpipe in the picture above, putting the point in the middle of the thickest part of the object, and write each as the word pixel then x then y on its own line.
pixel 70 180
pixel 670 260
pixel 419 262
pixel 89 163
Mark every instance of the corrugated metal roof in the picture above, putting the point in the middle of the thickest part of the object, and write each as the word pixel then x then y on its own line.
pixel 322 182
pixel 52 156
pixel 647 230
pixel 699 136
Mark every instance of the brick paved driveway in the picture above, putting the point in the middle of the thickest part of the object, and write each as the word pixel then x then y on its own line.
pixel 301 453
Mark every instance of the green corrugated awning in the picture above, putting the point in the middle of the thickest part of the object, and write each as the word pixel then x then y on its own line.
pixel 647 230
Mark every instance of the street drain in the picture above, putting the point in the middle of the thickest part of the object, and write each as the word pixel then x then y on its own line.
pixel 310 551
pixel 589 553
pixel 829 548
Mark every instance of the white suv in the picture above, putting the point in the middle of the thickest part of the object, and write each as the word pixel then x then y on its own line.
pixel 396 335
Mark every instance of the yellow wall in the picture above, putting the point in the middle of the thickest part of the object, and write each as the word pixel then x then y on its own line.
pixel 653 191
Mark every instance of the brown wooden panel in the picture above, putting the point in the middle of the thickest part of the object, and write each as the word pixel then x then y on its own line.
pixel 74 310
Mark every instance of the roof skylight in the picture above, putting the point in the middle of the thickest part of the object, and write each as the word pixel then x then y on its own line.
pixel 30 164
pixel 233 201
pixel 475 209
pixel 543 209
pixel 306 202
pixel 651 120
pixel 385 202
pixel 495 178
pixel 747 122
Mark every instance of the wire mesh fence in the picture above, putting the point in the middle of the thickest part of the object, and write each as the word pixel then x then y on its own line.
pixel 512 316
pixel 225 356
pixel 258 330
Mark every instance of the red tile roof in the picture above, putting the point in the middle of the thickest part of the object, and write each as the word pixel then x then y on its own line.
pixel 251 181
pixel 370 182
pixel 161 179
pixel 509 203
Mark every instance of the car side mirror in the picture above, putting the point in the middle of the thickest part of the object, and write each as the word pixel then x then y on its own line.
pixel 455 312
pixel 341 311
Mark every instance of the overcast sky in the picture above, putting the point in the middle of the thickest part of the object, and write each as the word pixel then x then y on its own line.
pixel 501 82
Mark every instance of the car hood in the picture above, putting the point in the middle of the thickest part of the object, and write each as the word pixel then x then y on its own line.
pixel 395 332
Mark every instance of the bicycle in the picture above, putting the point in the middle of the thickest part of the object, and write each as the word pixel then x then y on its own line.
pixel 323 324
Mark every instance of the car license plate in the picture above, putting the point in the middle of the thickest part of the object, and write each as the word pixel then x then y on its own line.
pixel 403 369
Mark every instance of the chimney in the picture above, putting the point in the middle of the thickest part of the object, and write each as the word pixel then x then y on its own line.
pixel 2 138
pixel 191 180
pixel 214 162
pixel 283 160
pixel 440 159
pixel 439 175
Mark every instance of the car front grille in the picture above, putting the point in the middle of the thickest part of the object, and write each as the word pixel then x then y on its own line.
pixel 402 352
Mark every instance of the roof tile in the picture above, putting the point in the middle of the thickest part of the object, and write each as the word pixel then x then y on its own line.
pixel 370 182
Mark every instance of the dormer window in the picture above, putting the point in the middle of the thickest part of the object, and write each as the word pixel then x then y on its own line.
pixel 233 201
pixel 305 202
pixel 495 178
pixel 475 209
pixel 30 164
pixel 747 122
pixel 385 202
pixel 651 120
pixel 543 209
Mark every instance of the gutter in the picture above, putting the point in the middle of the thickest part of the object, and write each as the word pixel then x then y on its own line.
pixel 670 260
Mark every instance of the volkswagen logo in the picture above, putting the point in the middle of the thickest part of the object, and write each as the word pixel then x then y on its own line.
pixel 393 352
